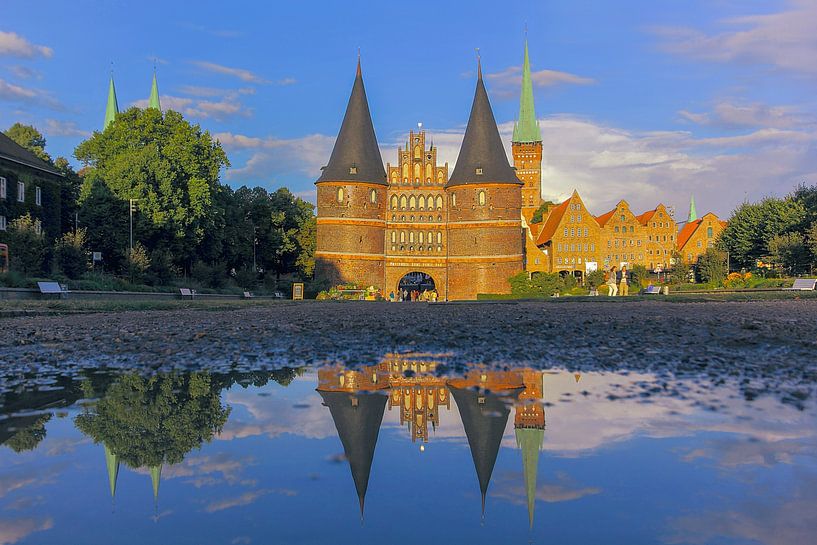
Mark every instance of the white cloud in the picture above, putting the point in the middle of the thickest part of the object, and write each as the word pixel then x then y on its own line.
pixel 507 82
pixel 28 95
pixel 14 45
pixel 24 72
pixel 784 40
pixel 240 73
pixel 227 106
pixel 731 115
pixel 12 531
pixel 54 127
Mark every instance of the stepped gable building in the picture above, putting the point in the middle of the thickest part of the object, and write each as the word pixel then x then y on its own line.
pixel 462 234
pixel 698 235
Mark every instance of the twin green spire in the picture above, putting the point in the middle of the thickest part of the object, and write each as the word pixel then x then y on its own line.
pixel 693 213
pixel 112 108
pixel 526 129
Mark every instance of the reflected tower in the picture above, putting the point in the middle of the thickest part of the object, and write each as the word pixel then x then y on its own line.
pixel 529 428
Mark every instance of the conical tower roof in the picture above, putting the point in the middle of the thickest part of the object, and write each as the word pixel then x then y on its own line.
pixel 356 157
pixel 112 463
pixel 484 425
pixel 482 150
pixel 357 419
pixel 526 129
pixel 112 108
pixel 529 441
pixel 156 479
pixel 153 101
pixel 693 213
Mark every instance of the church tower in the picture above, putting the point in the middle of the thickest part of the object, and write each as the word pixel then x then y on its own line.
pixel 112 108
pixel 153 101
pixel 526 145
pixel 352 201
pixel 485 244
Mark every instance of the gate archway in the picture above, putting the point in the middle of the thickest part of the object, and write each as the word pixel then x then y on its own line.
pixel 413 285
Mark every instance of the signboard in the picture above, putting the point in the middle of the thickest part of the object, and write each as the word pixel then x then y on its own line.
pixel 97 256
pixel 298 291
pixel 590 266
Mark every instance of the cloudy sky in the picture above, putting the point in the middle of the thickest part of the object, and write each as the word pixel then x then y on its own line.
pixel 642 100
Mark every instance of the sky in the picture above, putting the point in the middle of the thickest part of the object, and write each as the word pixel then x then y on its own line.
pixel 644 100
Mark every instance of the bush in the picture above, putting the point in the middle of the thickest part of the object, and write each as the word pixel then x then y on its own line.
pixel 639 276
pixel 26 246
pixel 711 267
pixel 70 255
pixel 595 278
pixel 138 263
pixel 539 285
pixel 737 280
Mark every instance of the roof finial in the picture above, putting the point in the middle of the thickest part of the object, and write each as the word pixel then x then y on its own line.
pixel 358 73
pixel 479 64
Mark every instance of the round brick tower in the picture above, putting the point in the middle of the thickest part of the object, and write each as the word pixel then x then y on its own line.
pixel 485 239
pixel 352 201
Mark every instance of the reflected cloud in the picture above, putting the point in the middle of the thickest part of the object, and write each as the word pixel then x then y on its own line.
pixel 510 487
pixel 246 499
pixel 12 531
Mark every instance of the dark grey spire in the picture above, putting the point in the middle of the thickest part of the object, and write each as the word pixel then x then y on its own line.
pixel 357 418
pixel 482 158
pixel 484 416
pixel 356 157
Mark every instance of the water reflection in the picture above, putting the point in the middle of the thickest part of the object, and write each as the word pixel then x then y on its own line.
pixel 418 440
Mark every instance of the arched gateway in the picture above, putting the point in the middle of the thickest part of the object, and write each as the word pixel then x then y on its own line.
pixel 412 286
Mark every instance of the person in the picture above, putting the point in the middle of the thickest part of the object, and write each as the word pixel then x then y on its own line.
pixel 391 297
pixel 610 280
pixel 623 282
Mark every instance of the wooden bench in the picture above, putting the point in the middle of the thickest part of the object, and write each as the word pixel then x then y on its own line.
pixel 651 290
pixel 53 288
pixel 187 292
pixel 248 295
pixel 804 284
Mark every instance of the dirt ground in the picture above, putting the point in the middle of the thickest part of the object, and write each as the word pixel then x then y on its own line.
pixel 764 346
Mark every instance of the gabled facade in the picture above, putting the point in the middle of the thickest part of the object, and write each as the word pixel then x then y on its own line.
pixel 569 237
pixel 696 236
pixel 624 237
pixel 661 238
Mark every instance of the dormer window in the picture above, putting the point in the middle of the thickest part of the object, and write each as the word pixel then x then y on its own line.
pixel 479 171
pixel 481 196
pixel 352 170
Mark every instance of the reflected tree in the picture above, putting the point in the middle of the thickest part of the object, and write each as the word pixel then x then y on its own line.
pixel 28 436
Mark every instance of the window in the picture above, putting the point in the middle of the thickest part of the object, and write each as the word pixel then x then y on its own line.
pixel 616 229
pixel 340 194
pixel 372 196
pixel 352 170
pixel 403 203
pixel 393 237
pixel 393 202
pixel 422 237
pixel 699 244
pixel 439 203
pixel 482 198
pixel 479 172
pixel 572 232
pixel 38 227
pixel 572 219
pixel 709 232
pixel 21 192
pixel 439 237
pixel 579 218
pixel 623 217
pixel 412 203
pixel 632 228
pixel 402 237
pixel 3 224
pixel 585 231
pixel 565 231
pixel 559 247
pixel 411 237
pixel 453 199
pixel 2 188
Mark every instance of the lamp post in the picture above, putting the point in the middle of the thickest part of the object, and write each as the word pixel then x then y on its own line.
pixel 131 210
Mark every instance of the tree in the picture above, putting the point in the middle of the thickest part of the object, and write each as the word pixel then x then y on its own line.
pixel 540 212
pixel 789 251
pixel 811 241
pixel 307 241
pixel 26 245
pixel 29 138
pixel 712 267
pixel 171 166
pixel 29 437
pixel 148 422
pixel 105 218
pixel 70 253
pixel 69 193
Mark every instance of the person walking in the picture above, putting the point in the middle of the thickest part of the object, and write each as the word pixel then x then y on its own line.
pixel 610 280
pixel 624 282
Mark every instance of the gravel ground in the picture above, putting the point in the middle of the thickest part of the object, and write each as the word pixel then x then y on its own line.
pixel 764 347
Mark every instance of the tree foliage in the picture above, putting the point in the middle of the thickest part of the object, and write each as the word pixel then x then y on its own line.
pixel 70 253
pixel 712 267
pixel 27 244
pixel 541 212
pixel 29 138
pixel 789 252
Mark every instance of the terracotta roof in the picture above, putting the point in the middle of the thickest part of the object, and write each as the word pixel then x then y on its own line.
pixel 604 218
pixel 686 232
pixel 552 223
pixel 645 218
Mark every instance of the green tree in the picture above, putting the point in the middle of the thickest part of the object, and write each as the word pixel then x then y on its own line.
pixel 152 421
pixel 29 437
pixel 69 193
pixel 541 212
pixel 538 285
pixel 711 267
pixel 70 253
pixel 26 245
pixel 171 166
pixel 811 241
pixel 679 273
pixel 105 218
pixel 30 138
pixel 307 240
pixel 790 252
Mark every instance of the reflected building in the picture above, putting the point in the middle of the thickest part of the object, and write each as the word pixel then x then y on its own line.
pixel 529 429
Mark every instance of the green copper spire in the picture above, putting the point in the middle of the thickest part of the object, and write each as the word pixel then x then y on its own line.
pixel 693 214
pixel 112 109
pixel 156 477
pixel 529 441
pixel 112 461
pixel 153 102
pixel 526 129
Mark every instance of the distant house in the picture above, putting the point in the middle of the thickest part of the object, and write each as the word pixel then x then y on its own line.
pixel 28 184
pixel 698 235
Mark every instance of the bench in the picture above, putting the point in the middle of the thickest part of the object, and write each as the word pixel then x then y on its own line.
pixel 248 295
pixel 187 292
pixel 53 288
pixel 651 290
pixel 804 284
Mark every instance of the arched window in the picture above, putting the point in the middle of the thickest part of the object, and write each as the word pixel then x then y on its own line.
pixel 393 202
pixel 429 171
pixel 373 196
pixel 412 203
pixel 421 203
pixel 709 232
pixel 439 237
pixel 411 237
pixel 440 177
pixel 418 152
pixel 402 237
pixel 453 199
pixel 403 202
pixel 394 177
pixel 422 237
pixel 393 237
pixel 417 171
pixel 481 198
pixel 405 171
pixel 439 202
pixel 340 194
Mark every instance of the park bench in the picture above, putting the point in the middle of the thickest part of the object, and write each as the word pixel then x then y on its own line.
pixel 651 290
pixel 53 288
pixel 804 284
pixel 248 295
pixel 187 292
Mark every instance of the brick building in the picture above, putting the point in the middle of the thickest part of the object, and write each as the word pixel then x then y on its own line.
pixel 460 234
pixel 698 235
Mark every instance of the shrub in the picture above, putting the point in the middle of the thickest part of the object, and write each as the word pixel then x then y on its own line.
pixel 711 267
pixel 737 280
pixel 26 245
pixel 138 263
pixel 70 254
pixel 539 285
pixel 595 278
pixel 638 276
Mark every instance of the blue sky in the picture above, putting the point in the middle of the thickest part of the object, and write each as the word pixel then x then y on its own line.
pixel 642 100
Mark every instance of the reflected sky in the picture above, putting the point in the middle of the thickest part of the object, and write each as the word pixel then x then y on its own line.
pixel 398 452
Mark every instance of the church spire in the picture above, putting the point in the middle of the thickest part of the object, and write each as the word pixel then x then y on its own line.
pixel 156 479
pixel 153 102
pixel 526 129
pixel 356 156
pixel 693 213
pixel 112 463
pixel 529 441
pixel 112 108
